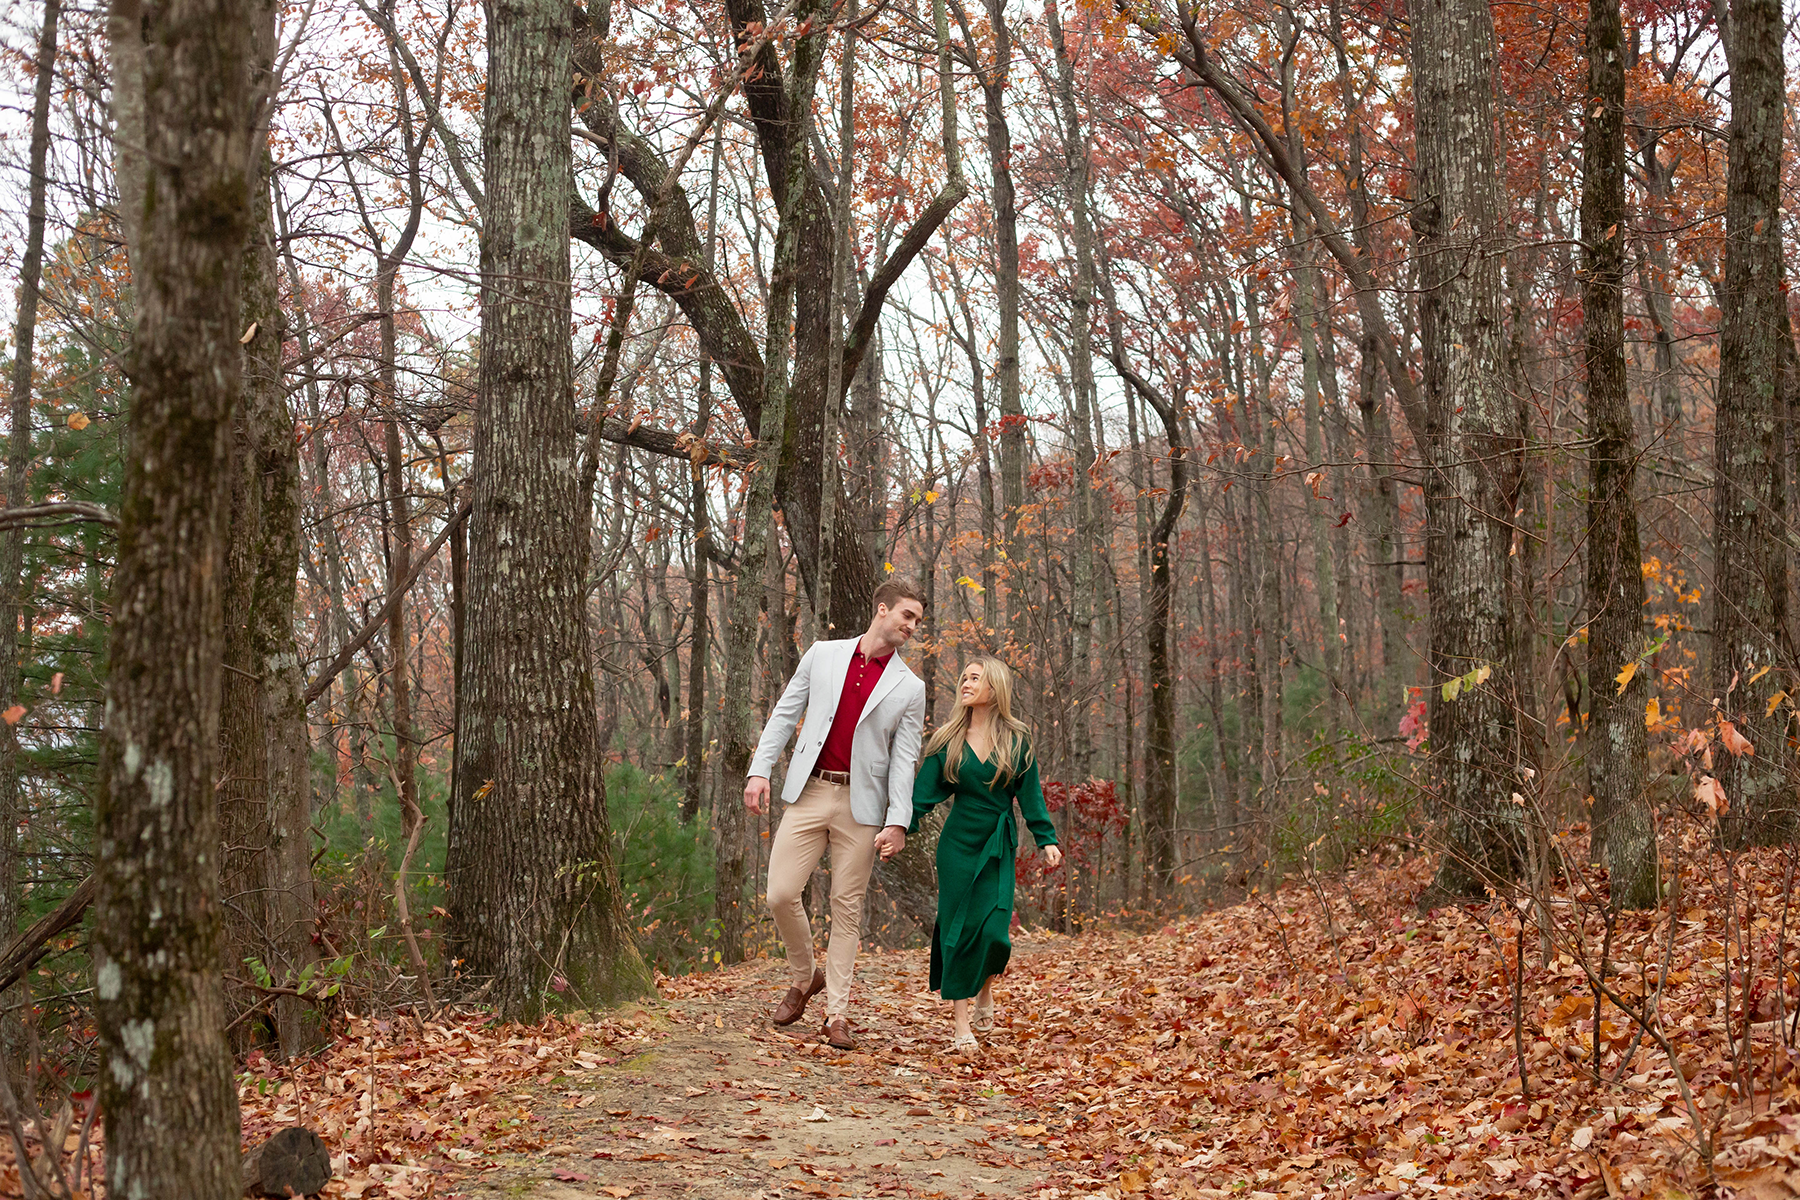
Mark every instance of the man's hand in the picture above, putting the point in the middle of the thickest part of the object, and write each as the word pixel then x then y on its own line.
pixel 1052 857
pixel 756 793
pixel 890 841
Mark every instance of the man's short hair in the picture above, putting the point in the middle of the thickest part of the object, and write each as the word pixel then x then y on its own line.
pixel 895 589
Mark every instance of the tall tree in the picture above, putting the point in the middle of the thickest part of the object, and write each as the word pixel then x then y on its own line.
pixel 167 1089
pixel 18 493
pixel 670 256
pixel 1160 834
pixel 1622 825
pixel 534 900
pixel 265 792
pixel 995 80
pixel 1087 545
pixel 1750 584
pixel 1476 443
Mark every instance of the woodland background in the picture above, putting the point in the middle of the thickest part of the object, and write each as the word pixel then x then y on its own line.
pixel 1357 426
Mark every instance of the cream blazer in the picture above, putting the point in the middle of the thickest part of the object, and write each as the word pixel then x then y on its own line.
pixel 884 751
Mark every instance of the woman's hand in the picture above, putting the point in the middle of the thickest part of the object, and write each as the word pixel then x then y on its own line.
pixel 1052 857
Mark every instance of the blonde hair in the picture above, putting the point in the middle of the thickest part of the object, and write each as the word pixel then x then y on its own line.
pixel 1012 752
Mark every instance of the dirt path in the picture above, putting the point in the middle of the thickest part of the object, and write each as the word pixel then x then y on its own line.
pixel 728 1107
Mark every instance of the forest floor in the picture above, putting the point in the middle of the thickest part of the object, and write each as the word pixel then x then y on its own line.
pixel 1328 1041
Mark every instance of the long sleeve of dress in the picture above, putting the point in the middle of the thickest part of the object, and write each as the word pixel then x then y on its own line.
pixel 931 789
pixel 1030 794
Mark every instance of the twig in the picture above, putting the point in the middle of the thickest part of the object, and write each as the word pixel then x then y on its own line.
pixel 67 512
pixel 336 666
pixel 1518 999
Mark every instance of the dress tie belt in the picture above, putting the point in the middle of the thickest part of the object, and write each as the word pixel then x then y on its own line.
pixel 1000 845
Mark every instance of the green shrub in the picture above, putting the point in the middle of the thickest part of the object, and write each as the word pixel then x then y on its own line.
pixel 665 870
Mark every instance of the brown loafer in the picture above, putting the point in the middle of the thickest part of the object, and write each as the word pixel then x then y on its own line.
pixel 793 1005
pixel 837 1033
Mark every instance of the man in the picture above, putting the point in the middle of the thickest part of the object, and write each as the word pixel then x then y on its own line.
pixel 849 787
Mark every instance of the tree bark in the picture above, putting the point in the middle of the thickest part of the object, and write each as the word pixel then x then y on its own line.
pixel 13 583
pixel 994 85
pixel 740 724
pixel 1750 585
pixel 699 576
pixel 534 896
pixel 840 278
pixel 1088 534
pixel 1160 743
pixel 1622 827
pixel 1477 449
pixel 168 1091
pixel 265 789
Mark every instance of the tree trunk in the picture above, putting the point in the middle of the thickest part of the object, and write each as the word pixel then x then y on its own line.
pixel 1749 500
pixel 1655 277
pixel 265 793
pixel 700 575
pixel 1160 743
pixel 1622 826
pixel 994 86
pixel 167 1089
pixel 1324 566
pixel 1476 448
pixel 759 503
pixel 1081 384
pixel 13 583
pixel 398 505
pixel 840 280
pixel 1381 510
pixel 534 897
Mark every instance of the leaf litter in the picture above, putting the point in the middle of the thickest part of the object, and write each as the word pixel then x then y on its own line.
pixel 1328 1040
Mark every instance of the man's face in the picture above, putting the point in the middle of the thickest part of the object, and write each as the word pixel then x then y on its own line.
pixel 895 625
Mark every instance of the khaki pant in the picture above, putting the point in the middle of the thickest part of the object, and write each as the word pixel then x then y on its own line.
pixel 818 820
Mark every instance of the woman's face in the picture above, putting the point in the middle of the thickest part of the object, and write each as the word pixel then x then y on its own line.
pixel 973 689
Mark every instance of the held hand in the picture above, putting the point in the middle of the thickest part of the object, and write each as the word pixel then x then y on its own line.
pixel 890 841
pixel 756 793
pixel 1052 857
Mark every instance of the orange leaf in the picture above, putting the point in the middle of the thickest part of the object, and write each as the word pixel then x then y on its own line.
pixel 11 716
pixel 1734 741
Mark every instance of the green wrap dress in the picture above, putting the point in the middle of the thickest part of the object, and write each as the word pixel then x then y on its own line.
pixel 975 852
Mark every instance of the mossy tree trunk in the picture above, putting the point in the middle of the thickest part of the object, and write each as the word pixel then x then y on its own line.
pixel 167 1087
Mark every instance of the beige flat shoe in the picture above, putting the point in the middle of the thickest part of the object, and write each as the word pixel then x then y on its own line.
pixel 965 1044
pixel 982 1018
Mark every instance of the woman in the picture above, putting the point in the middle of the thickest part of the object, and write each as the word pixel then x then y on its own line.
pixel 981 757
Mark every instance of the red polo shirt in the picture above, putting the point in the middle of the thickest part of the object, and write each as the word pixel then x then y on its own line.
pixel 859 681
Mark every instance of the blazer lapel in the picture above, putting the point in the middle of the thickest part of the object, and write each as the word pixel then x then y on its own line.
pixel 890 679
pixel 837 670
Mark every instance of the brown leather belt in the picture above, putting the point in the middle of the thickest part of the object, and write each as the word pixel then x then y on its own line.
pixel 841 778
